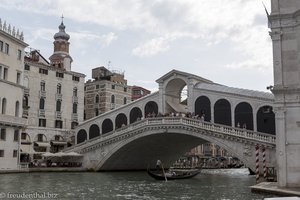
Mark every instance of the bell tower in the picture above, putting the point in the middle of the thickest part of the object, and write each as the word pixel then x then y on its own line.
pixel 61 57
pixel 285 35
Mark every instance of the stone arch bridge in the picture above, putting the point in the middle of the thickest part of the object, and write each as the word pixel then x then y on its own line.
pixel 188 110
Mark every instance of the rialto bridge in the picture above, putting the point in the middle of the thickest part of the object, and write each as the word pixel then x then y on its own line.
pixel 137 134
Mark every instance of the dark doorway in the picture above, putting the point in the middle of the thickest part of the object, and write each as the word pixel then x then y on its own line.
pixel 222 112
pixel 135 115
pixel 107 126
pixel 81 136
pixel 94 131
pixel 243 115
pixel 150 108
pixel 121 120
pixel 202 108
pixel 266 120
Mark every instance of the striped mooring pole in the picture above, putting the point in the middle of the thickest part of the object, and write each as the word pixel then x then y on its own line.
pixel 257 163
pixel 264 161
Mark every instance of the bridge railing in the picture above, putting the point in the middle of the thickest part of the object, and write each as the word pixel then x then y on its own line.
pixel 219 128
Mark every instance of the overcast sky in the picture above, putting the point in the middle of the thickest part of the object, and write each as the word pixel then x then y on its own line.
pixel 225 41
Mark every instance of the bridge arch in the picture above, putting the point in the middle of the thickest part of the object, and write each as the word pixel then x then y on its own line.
pixel 151 107
pixel 266 120
pixel 203 107
pixel 107 126
pixel 94 131
pixel 176 91
pixel 135 114
pixel 222 112
pixel 81 136
pixel 243 115
pixel 121 120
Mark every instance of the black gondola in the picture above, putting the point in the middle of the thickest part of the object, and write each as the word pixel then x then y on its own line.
pixel 174 174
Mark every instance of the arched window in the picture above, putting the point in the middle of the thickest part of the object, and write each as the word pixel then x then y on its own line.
pixel 74 108
pixel 96 112
pixel 3 105
pixel 43 86
pixel 58 89
pixel 42 103
pixel 112 99
pixel 97 99
pixel 17 109
pixel 25 102
pixel 58 105
pixel 75 92
pixel 125 100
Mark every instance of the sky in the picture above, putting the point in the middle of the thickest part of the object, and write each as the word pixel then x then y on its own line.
pixel 225 41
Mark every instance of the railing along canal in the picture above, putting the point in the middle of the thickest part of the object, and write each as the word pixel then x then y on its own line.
pixel 195 123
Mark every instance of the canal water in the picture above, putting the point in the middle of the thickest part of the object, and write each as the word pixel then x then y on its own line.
pixel 226 184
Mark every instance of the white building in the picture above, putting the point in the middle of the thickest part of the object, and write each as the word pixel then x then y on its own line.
pixel 53 100
pixel 11 74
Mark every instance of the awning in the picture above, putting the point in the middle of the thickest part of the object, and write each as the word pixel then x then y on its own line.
pixel 58 143
pixel 42 144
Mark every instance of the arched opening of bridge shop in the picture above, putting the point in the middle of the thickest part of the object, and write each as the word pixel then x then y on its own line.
pixel 203 108
pixel 135 115
pixel 81 136
pixel 151 109
pixel 94 131
pixel 121 120
pixel 107 126
pixel 266 120
pixel 176 96
pixel 222 112
pixel 243 115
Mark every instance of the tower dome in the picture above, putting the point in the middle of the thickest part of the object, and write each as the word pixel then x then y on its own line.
pixel 62 33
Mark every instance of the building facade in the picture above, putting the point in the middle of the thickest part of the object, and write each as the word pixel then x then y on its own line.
pixel 11 86
pixel 138 92
pixel 108 90
pixel 285 34
pixel 53 100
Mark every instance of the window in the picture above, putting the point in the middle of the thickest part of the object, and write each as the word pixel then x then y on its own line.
pixel 43 71
pixel 15 153
pixel 96 112
pixel 43 86
pixel 2 134
pixel 97 99
pixel 42 122
pixel 60 75
pixel 73 125
pixel 3 106
pixel 125 100
pixel 97 86
pixel 23 136
pixel 125 89
pixel 27 67
pixel 113 87
pixel 74 108
pixel 2 153
pixel 5 73
pixel 58 105
pixel 40 137
pixel 42 103
pixel 75 92
pixel 18 78
pixel 16 135
pixel 112 99
pixel 6 50
pixel 75 78
pixel 56 138
pixel 0 72
pixel 58 124
pixel 17 108
pixel 1 45
pixel 19 54
pixel 58 89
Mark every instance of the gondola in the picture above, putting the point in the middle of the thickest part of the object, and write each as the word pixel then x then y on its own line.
pixel 173 174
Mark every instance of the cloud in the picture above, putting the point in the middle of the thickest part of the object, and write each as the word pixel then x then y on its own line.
pixel 151 47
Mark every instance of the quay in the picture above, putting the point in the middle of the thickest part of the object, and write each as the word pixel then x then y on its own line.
pixel 273 188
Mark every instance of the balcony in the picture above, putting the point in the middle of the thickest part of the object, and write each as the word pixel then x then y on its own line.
pixel 75 99
pixel 8 120
pixel 41 113
pixel 58 96
pixel 74 117
pixel 58 114
pixel 43 94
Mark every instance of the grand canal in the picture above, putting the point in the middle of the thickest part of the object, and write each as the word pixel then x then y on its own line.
pixel 210 185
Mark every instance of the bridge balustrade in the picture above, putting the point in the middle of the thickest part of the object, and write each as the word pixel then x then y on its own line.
pixel 223 129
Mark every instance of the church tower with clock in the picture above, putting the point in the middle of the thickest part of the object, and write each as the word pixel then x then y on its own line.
pixel 61 58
